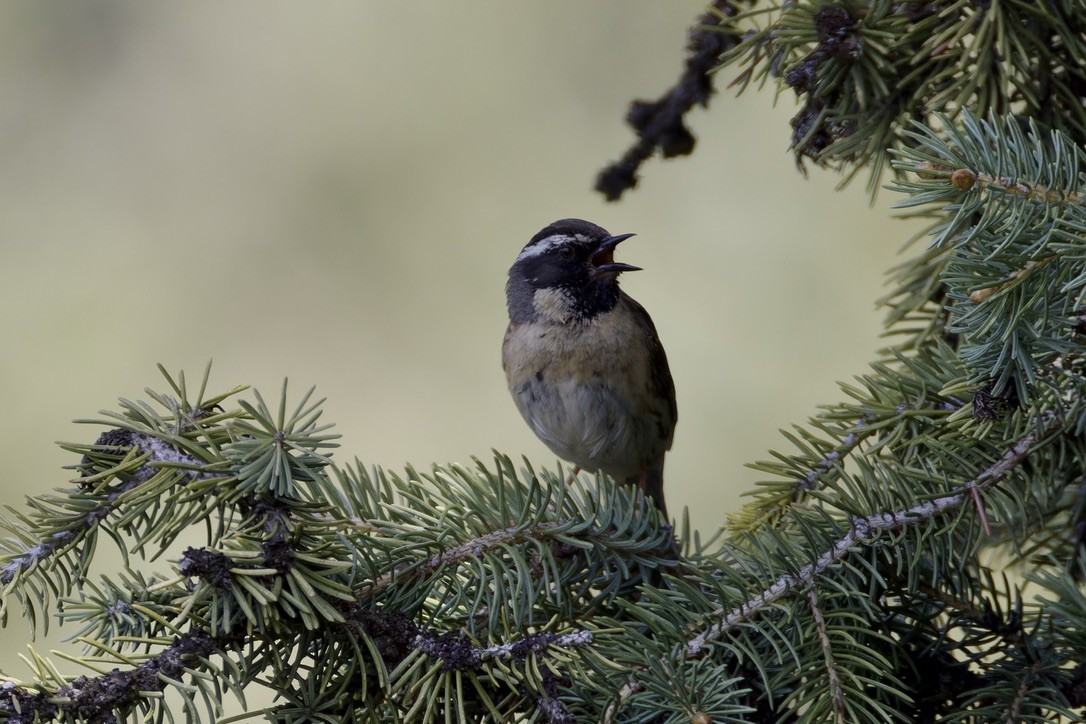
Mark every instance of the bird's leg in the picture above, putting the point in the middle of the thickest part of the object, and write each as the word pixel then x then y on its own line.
pixel 573 474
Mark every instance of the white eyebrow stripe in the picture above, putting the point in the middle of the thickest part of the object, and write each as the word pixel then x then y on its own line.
pixel 546 244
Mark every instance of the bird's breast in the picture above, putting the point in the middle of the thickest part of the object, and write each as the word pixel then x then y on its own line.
pixel 603 348
pixel 584 388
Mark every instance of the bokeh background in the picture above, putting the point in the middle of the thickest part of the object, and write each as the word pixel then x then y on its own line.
pixel 333 192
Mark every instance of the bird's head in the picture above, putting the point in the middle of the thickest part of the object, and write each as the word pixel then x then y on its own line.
pixel 567 272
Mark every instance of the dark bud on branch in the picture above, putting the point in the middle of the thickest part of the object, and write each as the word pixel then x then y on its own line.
pixel 207 565
pixel 990 406
pixel 838 39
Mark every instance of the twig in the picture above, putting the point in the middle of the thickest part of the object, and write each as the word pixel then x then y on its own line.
pixel 456 651
pixel 1015 709
pixel 979 295
pixel 161 453
pixel 965 179
pixel 979 505
pixel 552 708
pixel 457 555
pixel 95 698
pixel 834 457
pixel 827 655
pixel 659 124
pixel 395 635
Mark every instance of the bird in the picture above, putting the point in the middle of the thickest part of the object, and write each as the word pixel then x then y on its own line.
pixel 583 360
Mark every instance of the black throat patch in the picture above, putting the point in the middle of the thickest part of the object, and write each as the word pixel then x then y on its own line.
pixel 597 297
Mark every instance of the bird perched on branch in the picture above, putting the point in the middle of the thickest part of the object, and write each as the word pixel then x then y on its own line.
pixel 583 360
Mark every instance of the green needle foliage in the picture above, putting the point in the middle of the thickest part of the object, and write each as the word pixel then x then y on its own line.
pixel 916 554
pixel 357 594
pixel 866 71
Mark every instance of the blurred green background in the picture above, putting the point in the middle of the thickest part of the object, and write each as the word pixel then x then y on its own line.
pixel 334 191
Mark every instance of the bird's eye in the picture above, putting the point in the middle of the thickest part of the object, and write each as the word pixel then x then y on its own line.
pixel 566 252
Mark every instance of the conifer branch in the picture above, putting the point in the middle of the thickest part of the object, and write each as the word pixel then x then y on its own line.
pixel 1012 201
pixel 865 72
pixel 144 456
pixel 965 179
pixel 95 699
pixel 864 528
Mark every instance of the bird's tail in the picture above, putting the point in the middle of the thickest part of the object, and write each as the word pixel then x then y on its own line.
pixel 651 482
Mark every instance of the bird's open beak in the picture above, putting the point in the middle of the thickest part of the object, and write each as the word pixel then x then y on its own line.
pixel 603 259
